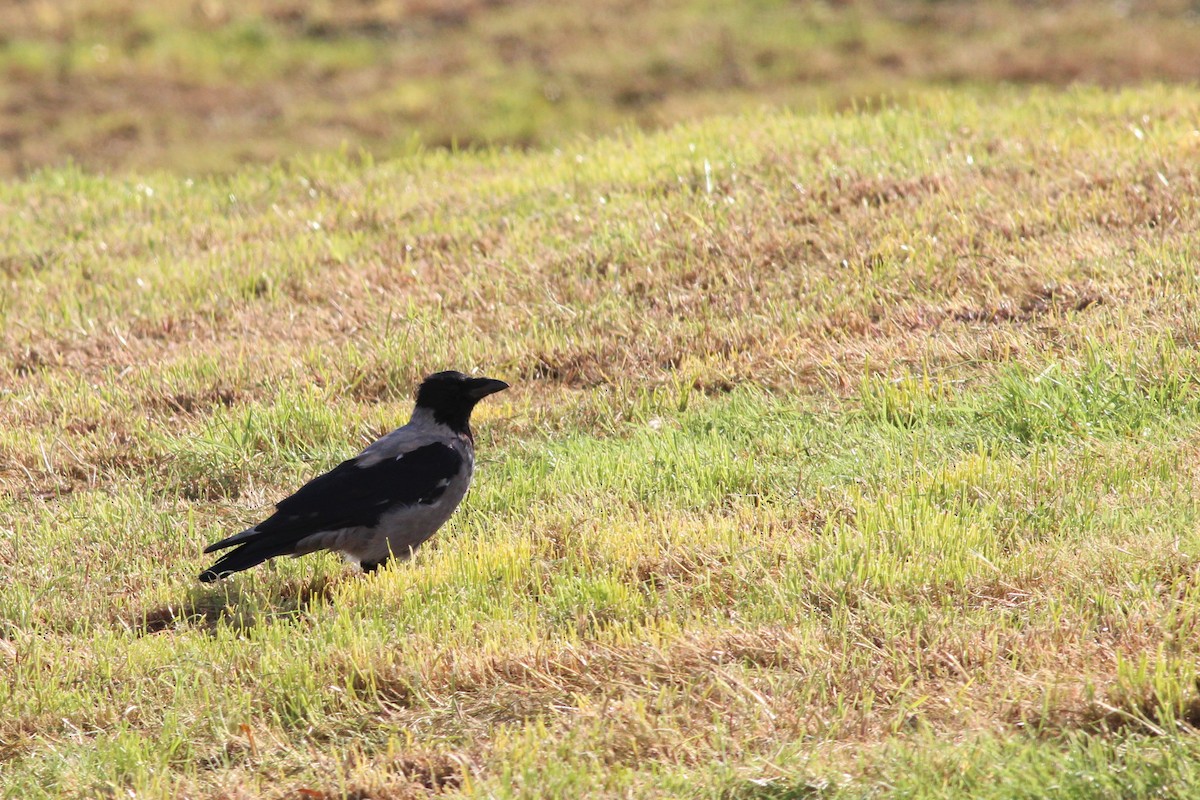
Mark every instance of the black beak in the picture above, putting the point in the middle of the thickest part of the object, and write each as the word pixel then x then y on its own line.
pixel 479 388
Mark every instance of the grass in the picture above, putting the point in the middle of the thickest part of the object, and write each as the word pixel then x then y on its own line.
pixel 848 455
pixel 203 86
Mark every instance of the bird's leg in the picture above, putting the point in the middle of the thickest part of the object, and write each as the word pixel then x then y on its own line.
pixel 370 566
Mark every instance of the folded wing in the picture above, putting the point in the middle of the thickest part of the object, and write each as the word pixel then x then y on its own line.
pixel 348 496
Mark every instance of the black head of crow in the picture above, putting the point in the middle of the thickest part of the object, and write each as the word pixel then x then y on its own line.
pixel 385 501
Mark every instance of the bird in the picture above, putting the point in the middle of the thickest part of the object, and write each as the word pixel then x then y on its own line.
pixel 385 501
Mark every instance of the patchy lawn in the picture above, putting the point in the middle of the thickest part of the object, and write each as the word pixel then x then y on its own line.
pixel 207 85
pixel 847 455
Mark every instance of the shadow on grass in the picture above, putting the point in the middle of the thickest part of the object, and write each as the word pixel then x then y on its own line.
pixel 236 605
pixel 1144 715
pixel 778 790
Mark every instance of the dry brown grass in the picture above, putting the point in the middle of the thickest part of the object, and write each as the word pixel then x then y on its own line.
pixel 201 86
pixel 842 448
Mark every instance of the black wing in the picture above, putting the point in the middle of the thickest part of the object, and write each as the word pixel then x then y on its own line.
pixel 345 497
pixel 350 496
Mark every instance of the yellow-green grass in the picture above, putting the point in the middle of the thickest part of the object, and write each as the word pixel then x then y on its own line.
pixel 204 85
pixel 846 455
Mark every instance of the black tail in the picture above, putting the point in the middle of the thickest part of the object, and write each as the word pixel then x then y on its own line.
pixel 249 555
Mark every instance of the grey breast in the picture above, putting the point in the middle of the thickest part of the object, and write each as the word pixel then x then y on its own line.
pixel 402 530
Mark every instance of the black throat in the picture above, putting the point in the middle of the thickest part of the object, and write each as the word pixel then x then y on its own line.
pixel 455 418
pixel 447 404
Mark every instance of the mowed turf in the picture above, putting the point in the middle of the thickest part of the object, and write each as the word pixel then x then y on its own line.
pixel 207 85
pixel 846 455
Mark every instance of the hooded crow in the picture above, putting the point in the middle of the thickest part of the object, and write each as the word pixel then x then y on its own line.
pixel 385 501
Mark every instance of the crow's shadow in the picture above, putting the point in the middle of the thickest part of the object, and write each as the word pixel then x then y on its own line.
pixel 236 604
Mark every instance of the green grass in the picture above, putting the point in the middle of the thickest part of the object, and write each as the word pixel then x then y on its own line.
pixel 847 455
pixel 120 85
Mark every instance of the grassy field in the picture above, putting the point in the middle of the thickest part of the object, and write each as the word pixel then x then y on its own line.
pixel 204 85
pixel 847 455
